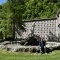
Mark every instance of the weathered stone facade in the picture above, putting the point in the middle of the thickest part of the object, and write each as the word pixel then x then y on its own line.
pixel 42 28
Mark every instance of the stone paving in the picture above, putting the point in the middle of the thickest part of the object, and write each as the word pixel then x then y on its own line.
pixel 15 47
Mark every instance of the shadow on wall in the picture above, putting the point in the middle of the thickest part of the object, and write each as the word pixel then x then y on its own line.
pixel 52 37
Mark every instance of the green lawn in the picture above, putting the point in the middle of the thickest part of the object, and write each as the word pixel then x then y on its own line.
pixel 55 55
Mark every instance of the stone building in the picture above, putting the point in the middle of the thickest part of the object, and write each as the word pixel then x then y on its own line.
pixel 46 28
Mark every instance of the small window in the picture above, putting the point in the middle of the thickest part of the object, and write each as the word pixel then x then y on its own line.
pixel 38 32
pixel 44 28
pixel 55 30
pixel 52 29
pixel 44 31
pixel 55 25
pixel 59 25
pixel 44 25
pixel 41 32
pixel 34 29
pixel 38 29
pixel 41 25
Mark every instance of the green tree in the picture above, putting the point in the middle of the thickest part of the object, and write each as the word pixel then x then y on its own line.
pixel 41 8
pixel 5 23
pixel 17 8
pixel 13 12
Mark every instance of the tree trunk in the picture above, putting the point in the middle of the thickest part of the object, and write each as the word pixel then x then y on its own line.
pixel 13 29
pixel 1 35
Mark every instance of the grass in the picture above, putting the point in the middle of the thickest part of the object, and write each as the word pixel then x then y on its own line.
pixel 55 55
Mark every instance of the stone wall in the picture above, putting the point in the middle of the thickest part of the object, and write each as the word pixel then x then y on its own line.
pixel 41 28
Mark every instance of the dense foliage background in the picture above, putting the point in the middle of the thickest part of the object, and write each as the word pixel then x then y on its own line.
pixel 41 8
pixel 13 12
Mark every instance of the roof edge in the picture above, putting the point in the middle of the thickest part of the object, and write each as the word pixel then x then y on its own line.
pixel 46 19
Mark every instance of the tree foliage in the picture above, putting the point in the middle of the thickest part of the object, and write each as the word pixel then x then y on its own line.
pixel 11 16
pixel 5 26
pixel 41 9
pixel 13 12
